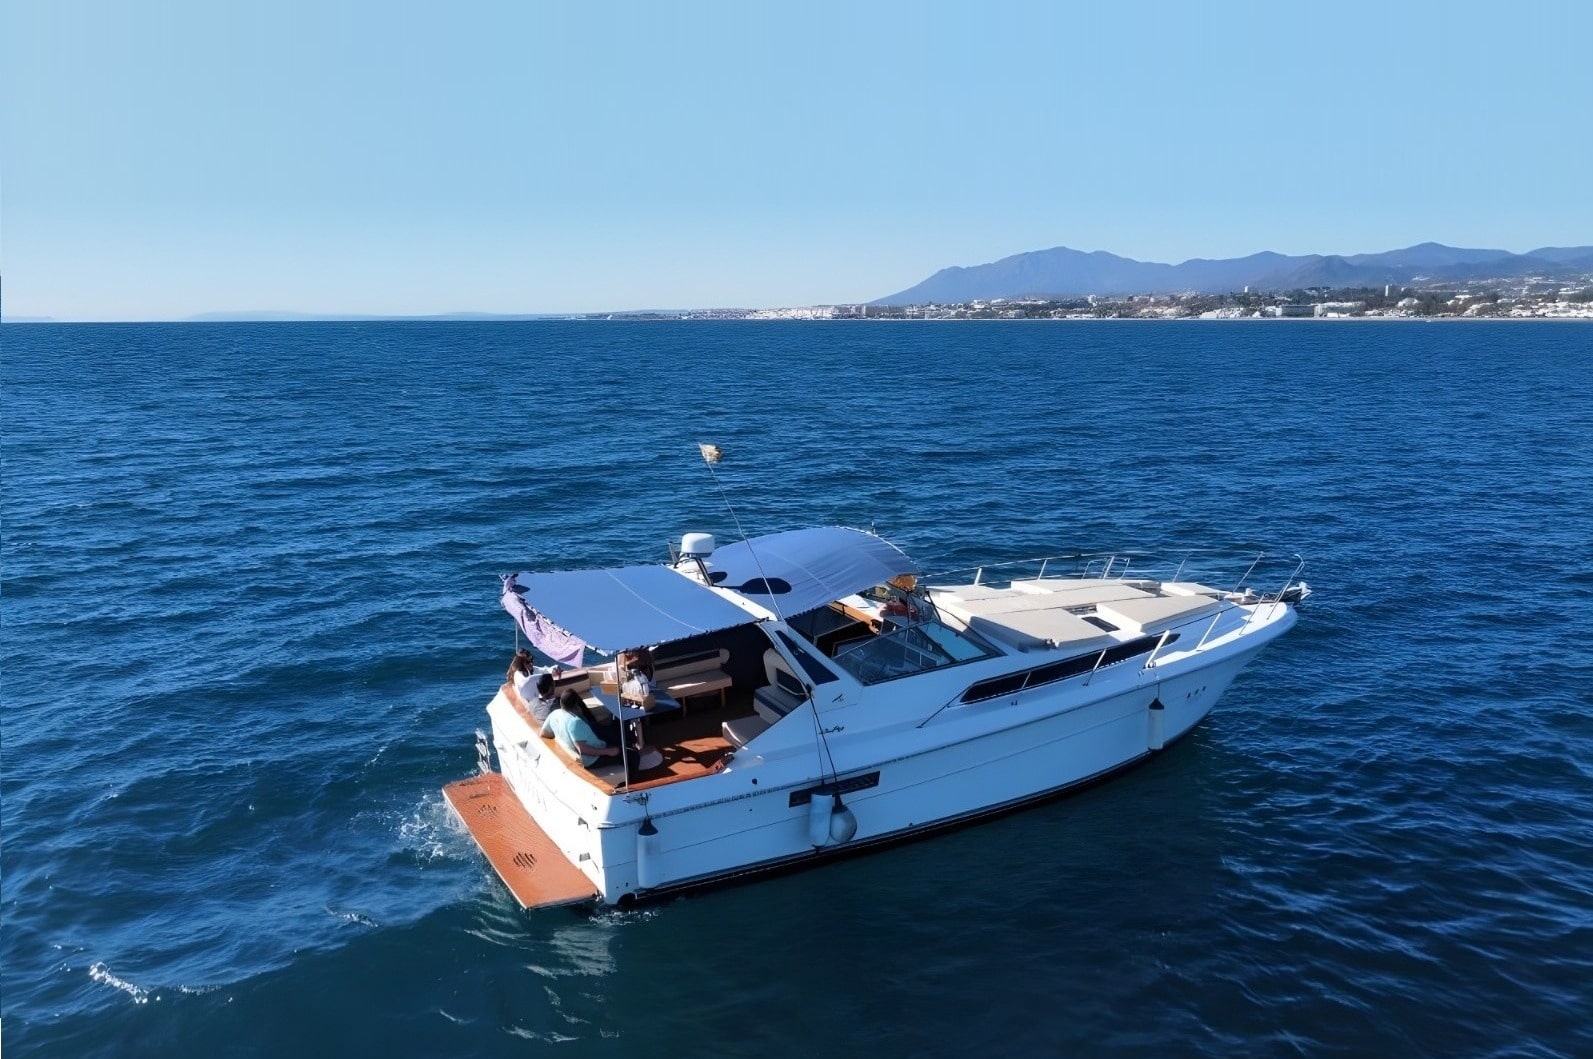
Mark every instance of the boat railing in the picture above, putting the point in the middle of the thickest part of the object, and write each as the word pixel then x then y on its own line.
pixel 1096 660
pixel 1292 587
pixel 1078 564
pixel 1214 566
pixel 1150 663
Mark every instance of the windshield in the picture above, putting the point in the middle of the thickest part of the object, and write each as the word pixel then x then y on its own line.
pixel 911 638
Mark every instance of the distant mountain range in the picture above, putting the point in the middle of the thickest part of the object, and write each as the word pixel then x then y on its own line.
pixel 1064 272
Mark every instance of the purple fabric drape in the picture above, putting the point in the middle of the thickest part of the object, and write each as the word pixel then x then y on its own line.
pixel 562 647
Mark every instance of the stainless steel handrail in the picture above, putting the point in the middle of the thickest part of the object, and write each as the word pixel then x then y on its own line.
pixel 1120 565
pixel 1150 663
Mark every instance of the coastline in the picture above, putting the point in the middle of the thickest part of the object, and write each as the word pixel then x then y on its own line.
pixel 650 318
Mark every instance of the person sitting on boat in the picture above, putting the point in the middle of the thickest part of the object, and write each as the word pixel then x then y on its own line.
pixel 639 661
pixel 544 701
pixel 899 609
pixel 533 684
pixel 571 726
pixel 607 729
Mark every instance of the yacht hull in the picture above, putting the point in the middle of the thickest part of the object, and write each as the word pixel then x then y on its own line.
pixel 898 782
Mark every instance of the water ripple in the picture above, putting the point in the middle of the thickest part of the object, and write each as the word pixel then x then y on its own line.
pixel 250 622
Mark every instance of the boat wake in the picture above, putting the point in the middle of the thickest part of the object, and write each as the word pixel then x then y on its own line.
pixel 432 833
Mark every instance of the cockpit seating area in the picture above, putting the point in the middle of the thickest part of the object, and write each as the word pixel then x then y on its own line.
pixel 737 685
pixel 686 677
pixel 783 692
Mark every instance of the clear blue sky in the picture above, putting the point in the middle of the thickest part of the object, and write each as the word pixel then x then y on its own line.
pixel 159 159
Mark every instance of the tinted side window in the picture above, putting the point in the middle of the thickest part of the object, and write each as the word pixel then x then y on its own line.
pixel 816 670
pixel 995 688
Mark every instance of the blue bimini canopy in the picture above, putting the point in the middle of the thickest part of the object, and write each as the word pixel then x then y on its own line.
pixel 615 610
pixel 639 606
pixel 799 570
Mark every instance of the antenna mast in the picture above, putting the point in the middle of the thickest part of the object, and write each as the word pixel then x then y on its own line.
pixel 712 454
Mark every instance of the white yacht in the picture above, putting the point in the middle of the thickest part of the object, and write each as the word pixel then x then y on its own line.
pixel 809 693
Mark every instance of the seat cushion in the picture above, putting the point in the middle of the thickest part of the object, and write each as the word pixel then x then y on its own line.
pixel 743 730
pixel 773 703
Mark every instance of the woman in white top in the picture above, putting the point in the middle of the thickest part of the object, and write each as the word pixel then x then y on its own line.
pixel 534 684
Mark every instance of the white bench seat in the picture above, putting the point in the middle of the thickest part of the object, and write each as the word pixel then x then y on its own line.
pixel 700 674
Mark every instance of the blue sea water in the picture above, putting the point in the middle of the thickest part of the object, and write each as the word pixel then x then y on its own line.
pixel 250 625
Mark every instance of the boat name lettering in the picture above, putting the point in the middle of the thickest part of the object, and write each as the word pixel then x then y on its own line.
pixel 846 786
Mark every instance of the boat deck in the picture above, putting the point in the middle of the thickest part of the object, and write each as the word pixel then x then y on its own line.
pixel 1067 612
pixel 536 872
pixel 691 744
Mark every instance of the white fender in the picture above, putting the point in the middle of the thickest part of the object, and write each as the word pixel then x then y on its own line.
pixel 843 825
pixel 819 820
pixel 647 855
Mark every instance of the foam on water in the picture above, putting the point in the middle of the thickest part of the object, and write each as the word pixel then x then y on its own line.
pixel 100 973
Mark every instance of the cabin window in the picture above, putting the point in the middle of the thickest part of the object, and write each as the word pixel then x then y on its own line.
pixel 1051 672
pixel 817 671
pixel 995 688
pixel 959 645
pixel 912 638
pixel 829 628
pixel 1143 645
pixel 906 650
pixel 1056 671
